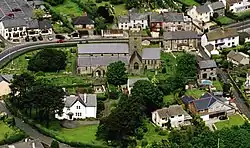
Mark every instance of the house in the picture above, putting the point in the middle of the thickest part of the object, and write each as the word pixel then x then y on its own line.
pixel 174 115
pixel 180 41
pixel 237 5
pixel 244 37
pixel 99 86
pixel 221 38
pixel 170 21
pixel 238 58
pixel 209 107
pixel 211 50
pixel 4 84
pixel 134 20
pixel 218 7
pixel 187 99
pixel 207 70
pixel 93 59
pixel 79 106
pixel 131 82
pixel 36 143
pixel 83 24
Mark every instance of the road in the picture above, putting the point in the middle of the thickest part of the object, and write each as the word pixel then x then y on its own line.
pixel 29 130
pixel 224 76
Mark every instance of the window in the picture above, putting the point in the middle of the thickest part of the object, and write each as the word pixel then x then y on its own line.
pixel 101 54
pixel 172 116
pixel 142 21
pixel 78 107
pixel 125 54
pixel 179 115
pixel 135 39
pixel 86 68
pixel 91 54
pixel 232 37
pixel 148 61
pixel 15 29
pixel 233 43
pixel 216 41
pixel 228 44
pixel 145 62
pixel 112 54
pixel 6 34
pixel 20 28
pixel 126 26
pixel 135 46
pixel 136 65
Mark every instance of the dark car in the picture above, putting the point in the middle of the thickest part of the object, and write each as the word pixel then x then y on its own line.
pixel 34 39
pixel 60 41
pixel 16 9
pixel 224 117
pixel 61 37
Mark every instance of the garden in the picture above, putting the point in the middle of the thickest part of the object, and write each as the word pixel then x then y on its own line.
pixel 234 120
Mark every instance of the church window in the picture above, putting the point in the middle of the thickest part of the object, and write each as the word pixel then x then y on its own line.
pixel 136 65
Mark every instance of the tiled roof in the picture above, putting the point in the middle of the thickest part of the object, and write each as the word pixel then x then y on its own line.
pixel 156 17
pixel 187 99
pixel 172 110
pixel 217 5
pixel 17 22
pixel 231 2
pixel 82 20
pixel 111 48
pixel 204 102
pixel 236 56
pixel 178 35
pixel 205 64
pixel 203 9
pixel 44 24
pixel 173 17
pixel 151 53
pixel 6 78
pixel 221 33
pixel 84 61
pixel 90 100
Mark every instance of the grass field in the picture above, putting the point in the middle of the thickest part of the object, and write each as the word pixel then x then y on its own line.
pixel 196 93
pixel 151 135
pixel 189 2
pixel 233 120
pixel 68 8
pixel 217 85
pixel 5 131
pixel 225 20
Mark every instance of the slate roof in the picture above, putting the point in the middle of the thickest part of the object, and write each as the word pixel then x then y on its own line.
pixel 32 24
pixel 209 47
pixel 204 102
pixel 28 144
pixel 236 56
pixel 217 5
pixel 172 110
pixel 103 48
pixel 151 53
pixel 221 33
pixel 44 24
pixel 187 99
pixel 90 100
pixel 202 9
pixel 6 78
pixel 205 64
pixel 123 19
pixel 131 81
pixel 139 16
pixel 173 17
pixel 86 61
pixel 17 22
pixel 178 35
pixel 231 2
pixel 82 20
pixel 156 17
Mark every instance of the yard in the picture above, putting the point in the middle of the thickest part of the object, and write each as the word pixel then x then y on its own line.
pixel 68 8
pixel 217 85
pixel 5 131
pixel 233 121
pixel 196 93
pixel 224 20
pixel 189 2
pixel 7 134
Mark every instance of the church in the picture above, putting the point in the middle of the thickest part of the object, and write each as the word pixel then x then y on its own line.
pixel 93 59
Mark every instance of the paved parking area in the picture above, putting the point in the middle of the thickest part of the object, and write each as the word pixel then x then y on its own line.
pixel 23 9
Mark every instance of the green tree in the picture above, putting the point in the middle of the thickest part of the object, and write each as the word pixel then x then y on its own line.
pixel 116 74
pixel 100 24
pixel 48 60
pixel 54 144
pixel 54 2
pixel 186 65
pixel 39 13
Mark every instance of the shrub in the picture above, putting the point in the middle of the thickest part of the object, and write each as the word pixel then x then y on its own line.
pixel 98 1
pixel 157 129
pixel 144 143
pixel 164 70
pixel 100 108
pixel 54 144
pixel 40 73
pixel 162 133
pixel 72 50
pixel 10 121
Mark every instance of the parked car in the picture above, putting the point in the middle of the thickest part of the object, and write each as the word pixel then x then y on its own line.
pixel 224 117
pixel 61 37
pixel 40 38
pixel 34 39
pixel 60 41
pixel 50 38
pixel 27 39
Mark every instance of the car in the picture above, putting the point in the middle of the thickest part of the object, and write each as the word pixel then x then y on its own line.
pixel 60 41
pixel 34 39
pixel 61 37
pixel 50 38
pixel 223 117
pixel 40 38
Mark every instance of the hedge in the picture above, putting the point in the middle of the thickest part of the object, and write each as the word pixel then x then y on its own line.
pixel 19 135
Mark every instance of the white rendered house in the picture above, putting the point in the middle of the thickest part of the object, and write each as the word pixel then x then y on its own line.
pixel 237 6
pixel 174 114
pixel 200 13
pixel 221 38
pixel 80 106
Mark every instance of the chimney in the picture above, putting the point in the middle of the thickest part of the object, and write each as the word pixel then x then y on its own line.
pixel 85 97
pixel 33 145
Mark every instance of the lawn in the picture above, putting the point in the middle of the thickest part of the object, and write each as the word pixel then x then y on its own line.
pixel 68 8
pixel 5 131
pixel 196 93
pixel 217 85
pixel 189 2
pixel 233 120
pixel 224 20
pixel 151 135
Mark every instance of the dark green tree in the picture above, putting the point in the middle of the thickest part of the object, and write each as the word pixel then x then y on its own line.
pixel 186 65
pixel 54 2
pixel 116 74
pixel 54 144
pixel 48 60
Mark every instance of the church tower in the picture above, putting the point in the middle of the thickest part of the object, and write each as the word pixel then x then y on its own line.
pixel 135 40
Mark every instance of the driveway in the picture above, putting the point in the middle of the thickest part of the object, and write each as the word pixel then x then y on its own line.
pixel 29 130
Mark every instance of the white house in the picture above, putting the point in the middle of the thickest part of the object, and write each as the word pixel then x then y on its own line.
pixel 221 38
pixel 200 13
pixel 238 58
pixel 237 5
pixel 131 82
pixel 133 20
pixel 4 84
pixel 80 106
pixel 174 114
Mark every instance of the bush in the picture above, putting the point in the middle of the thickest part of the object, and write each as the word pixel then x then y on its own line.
pixel 40 73
pixel 157 129
pixel 10 121
pixel 73 50
pixel 113 92
pixel 101 97
pixel 163 133
pixel 144 143
pixel 98 1
pixel 100 108
pixel 54 144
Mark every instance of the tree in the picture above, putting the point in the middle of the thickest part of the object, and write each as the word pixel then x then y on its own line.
pixel 48 60
pixel 116 74
pixel 39 13
pixel 100 24
pixel 54 2
pixel 54 144
pixel 186 65
pixel 148 95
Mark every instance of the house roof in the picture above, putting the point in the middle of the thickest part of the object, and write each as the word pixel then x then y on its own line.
pixel 139 16
pixel 217 5
pixel 16 22
pixel 244 35
pixel 156 17
pixel 205 64
pixel 32 24
pixel 151 53
pixel 28 144
pixel 231 2
pixel 173 17
pixel 172 110
pixel 6 78
pixel 236 56
pixel 82 20
pixel 209 47
pixel 44 24
pixel 131 81
pixel 100 60
pixel 202 9
pixel 187 99
pixel 221 33
pixel 89 102
pixel 111 48
pixel 123 19
pixel 178 35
